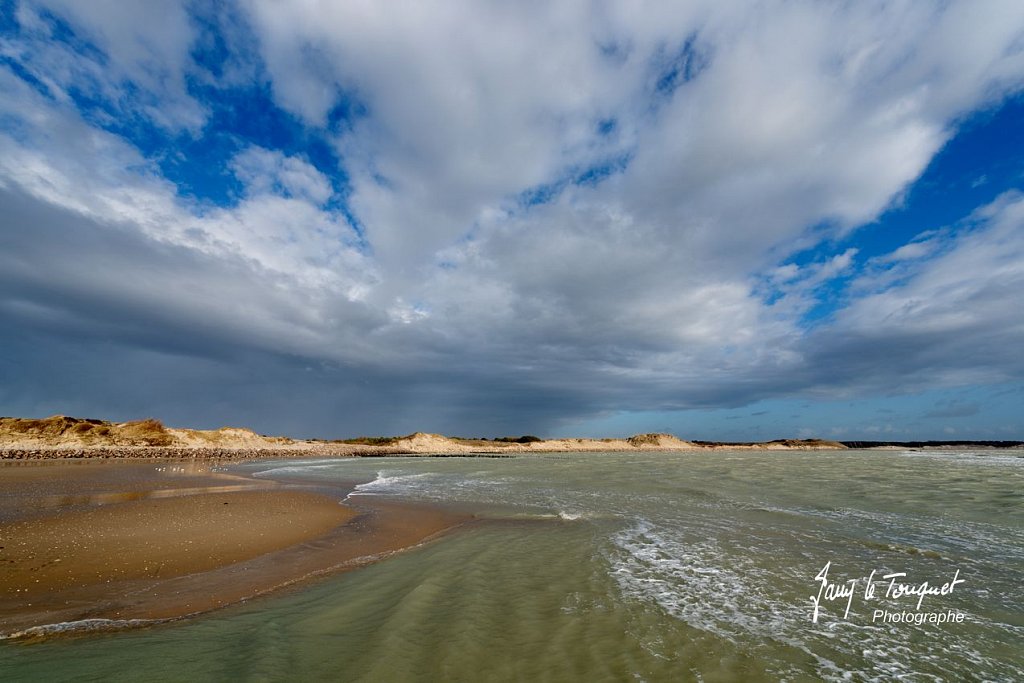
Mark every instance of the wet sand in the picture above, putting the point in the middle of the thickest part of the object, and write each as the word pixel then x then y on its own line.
pixel 161 540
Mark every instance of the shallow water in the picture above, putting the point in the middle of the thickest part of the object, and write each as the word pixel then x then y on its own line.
pixel 654 567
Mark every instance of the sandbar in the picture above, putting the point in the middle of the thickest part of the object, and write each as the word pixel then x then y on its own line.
pixel 128 543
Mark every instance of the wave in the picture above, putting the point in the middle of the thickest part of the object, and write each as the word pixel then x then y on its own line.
pixel 384 483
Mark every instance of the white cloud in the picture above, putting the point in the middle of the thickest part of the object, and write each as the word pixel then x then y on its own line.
pixel 972 285
pixel 803 113
pixel 953 319
pixel 143 61
pixel 910 251
pixel 270 172
pixel 63 162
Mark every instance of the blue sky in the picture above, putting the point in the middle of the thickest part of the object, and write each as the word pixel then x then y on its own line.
pixel 785 219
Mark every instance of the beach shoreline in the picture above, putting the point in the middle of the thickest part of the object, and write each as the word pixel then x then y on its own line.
pixel 113 544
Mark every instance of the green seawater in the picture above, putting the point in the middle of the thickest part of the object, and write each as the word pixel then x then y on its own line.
pixel 627 567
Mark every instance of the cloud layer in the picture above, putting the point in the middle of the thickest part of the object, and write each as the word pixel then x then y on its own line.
pixel 482 216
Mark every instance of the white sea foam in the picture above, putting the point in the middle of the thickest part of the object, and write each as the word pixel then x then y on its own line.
pixel 688 580
pixel 984 458
pixel 401 483
pixel 726 593
pixel 297 467
pixel 80 626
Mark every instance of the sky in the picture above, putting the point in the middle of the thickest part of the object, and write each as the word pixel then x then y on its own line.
pixel 725 221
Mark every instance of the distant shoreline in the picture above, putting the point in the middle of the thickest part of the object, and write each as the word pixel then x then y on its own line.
pixel 69 438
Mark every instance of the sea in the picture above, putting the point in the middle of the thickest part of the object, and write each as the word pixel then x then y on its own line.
pixel 881 565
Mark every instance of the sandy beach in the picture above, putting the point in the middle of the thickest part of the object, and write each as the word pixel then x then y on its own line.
pixel 158 540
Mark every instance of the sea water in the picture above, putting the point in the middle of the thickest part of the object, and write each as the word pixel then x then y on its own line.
pixel 703 566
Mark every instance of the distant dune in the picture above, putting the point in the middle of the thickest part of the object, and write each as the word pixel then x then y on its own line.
pixel 435 443
pixel 71 437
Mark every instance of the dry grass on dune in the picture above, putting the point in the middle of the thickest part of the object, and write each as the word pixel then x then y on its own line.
pixel 61 429
pixel 653 440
